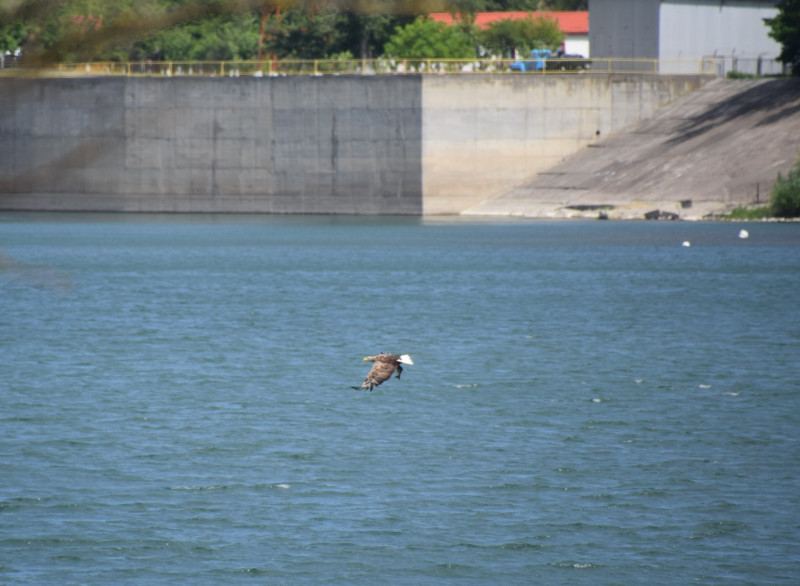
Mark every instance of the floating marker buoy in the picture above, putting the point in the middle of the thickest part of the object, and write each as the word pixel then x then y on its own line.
pixel 686 243
pixel 744 234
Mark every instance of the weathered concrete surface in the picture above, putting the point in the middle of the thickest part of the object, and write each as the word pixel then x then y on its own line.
pixel 718 147
pixel 348 144
pixel 278 145
pixel 485 134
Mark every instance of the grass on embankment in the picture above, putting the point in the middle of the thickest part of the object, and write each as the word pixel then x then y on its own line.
pixel 784 200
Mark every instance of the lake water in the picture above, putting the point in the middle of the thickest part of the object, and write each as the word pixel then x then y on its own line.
pixel 591 402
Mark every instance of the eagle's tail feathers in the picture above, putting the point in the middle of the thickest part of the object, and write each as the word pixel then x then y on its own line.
pixel 406 359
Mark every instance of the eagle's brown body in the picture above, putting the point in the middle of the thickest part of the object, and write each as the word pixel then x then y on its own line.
pixel 383 368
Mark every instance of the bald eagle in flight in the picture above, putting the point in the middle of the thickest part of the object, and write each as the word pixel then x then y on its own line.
pixel 383 368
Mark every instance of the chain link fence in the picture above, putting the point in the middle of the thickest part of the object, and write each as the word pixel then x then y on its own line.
pixel 376 67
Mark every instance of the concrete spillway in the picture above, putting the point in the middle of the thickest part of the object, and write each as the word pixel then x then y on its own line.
pixel 714 149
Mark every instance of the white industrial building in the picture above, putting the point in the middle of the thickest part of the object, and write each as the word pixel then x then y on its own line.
pixel 733 31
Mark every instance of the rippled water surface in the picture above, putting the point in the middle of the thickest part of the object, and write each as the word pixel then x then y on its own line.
pixel 591 402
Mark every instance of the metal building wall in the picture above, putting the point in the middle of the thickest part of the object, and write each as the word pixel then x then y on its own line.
pixel 734 30
pixel 623 28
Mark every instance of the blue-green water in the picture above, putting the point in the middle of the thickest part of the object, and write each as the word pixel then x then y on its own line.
pixel 591 402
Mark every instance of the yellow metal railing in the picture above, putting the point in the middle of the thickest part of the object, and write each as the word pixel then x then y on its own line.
pixel 707 66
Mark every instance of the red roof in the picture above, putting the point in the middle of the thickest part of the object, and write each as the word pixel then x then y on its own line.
pixel 571 23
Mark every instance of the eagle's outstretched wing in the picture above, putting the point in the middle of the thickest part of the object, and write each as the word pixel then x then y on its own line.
pixel 384 366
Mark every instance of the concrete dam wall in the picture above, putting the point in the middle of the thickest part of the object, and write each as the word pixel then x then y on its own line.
pixel 332 145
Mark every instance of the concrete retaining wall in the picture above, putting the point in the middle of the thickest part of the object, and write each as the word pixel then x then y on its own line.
pixel 280 145
pixel 347 144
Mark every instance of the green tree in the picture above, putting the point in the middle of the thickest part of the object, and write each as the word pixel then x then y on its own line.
pixel 304 34
pixel 427 39
pixel 70 30
pixel 229 37
pixel 364 34
pixel 523 34
pixel 785 29
pixel 51 31
pixel 11 36
pixel 785 196
pixel 465 10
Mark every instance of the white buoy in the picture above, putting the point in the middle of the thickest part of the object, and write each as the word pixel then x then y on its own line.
pixel 744 234
pixel 686 243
